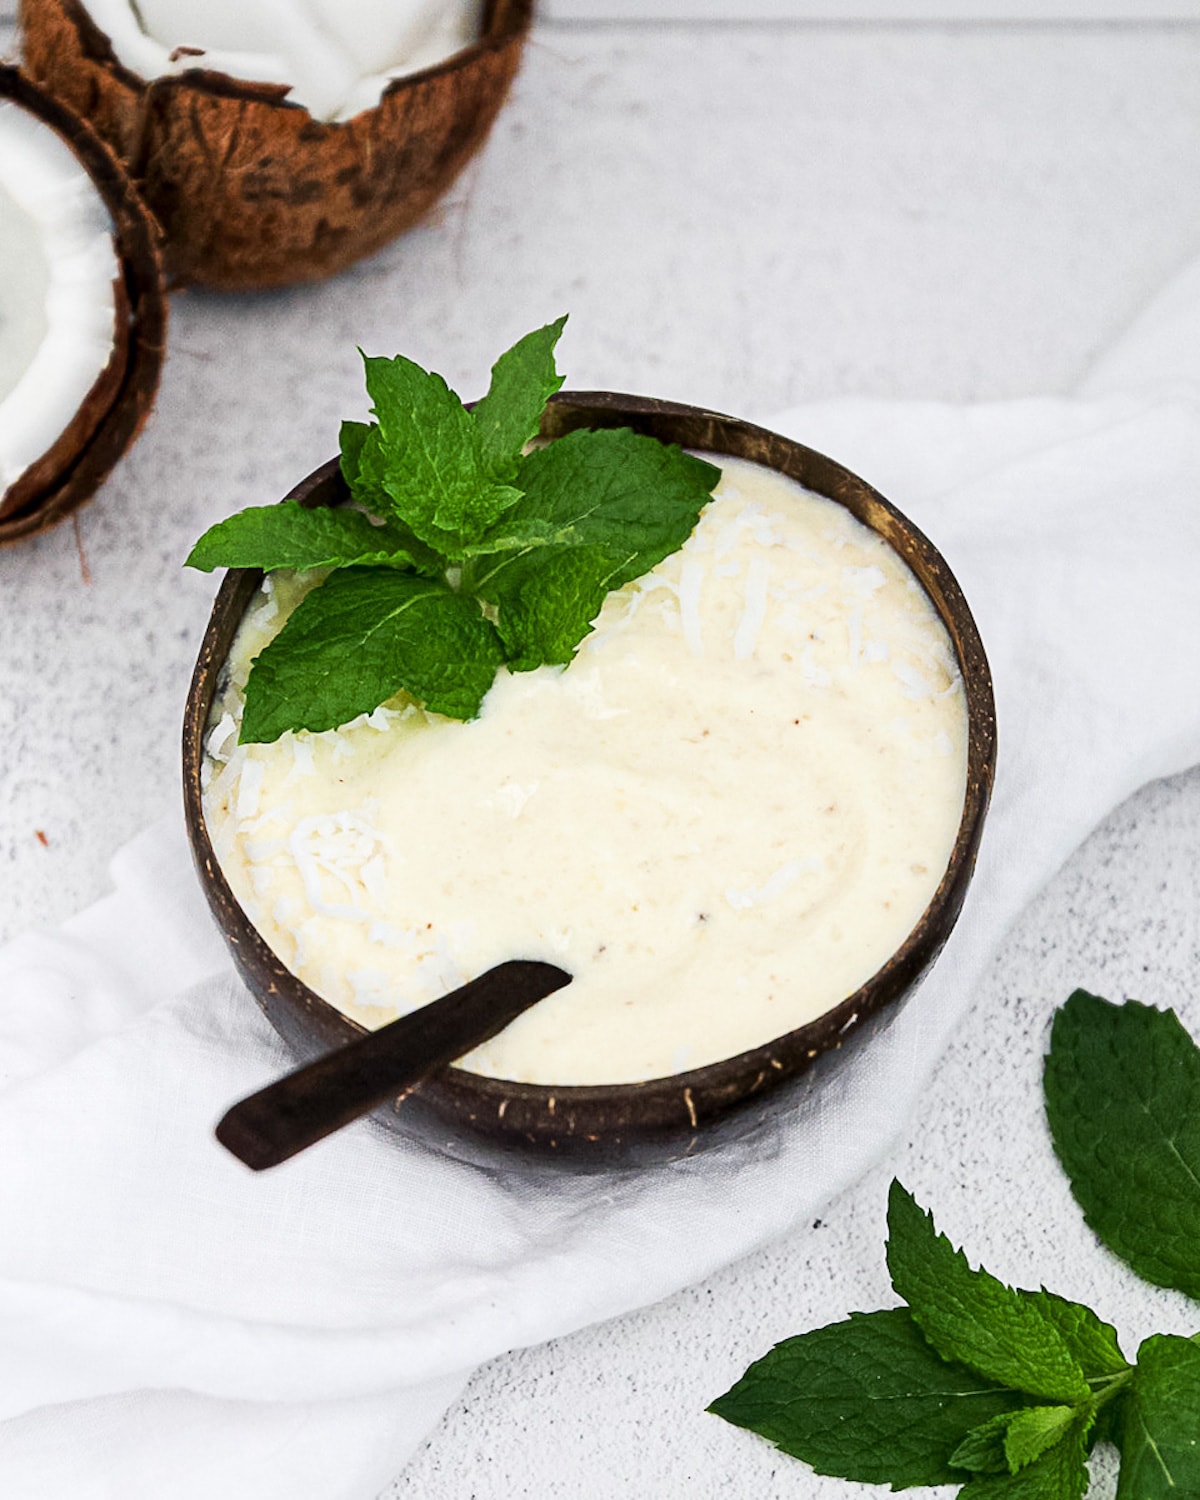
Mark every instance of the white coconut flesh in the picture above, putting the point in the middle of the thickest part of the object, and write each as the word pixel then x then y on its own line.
pixel 58 266
pixel 337 56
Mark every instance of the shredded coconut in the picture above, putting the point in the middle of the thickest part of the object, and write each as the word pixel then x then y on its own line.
pixel 691 583
pixel 249 790
pixel 755 610
pixel 775 886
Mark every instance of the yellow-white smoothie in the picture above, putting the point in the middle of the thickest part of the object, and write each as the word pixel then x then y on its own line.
pixel 722 818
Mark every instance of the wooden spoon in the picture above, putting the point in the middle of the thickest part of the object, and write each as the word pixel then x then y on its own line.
pixel 305 1106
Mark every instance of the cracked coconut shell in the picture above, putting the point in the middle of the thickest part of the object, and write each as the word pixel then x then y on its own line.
pixel 114 410
pixel 252 191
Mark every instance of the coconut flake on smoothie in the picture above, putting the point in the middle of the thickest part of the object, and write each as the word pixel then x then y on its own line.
pixel 722 818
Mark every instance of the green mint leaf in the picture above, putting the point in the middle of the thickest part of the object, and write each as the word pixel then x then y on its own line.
pixel 291 535
pixel 982 1450
pixel 352 438
pixel 630 495
pixel 364 468
pixel 1059 1474
pixel 549 613
pixel 970 1316
pixel 1034 1430
pixel 1158 1423
pixel 362 636
pixel 358 469
pixel 427 459
pixel 1091 1341
pixel 1014 1439
pixel 1122 1087
pixel 867 1399
pixel 523 380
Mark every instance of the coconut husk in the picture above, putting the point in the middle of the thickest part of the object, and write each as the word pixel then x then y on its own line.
pixel 115 409
pixel 252 191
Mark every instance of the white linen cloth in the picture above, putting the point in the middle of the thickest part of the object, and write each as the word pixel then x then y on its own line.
pixel 171 1324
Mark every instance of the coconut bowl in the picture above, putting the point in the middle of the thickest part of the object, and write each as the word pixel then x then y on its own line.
pixel 487 1120
pixel 115 409
pixel 250 189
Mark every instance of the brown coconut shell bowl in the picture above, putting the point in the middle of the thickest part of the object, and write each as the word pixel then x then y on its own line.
pixel 252 191
pixel 490 1121
pixel 118 404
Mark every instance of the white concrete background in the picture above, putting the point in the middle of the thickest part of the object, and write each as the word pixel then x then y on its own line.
pixel 745 216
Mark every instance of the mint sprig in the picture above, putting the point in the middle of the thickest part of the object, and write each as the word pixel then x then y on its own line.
pixel 1006 1391
pixel 993 1393
pixel 460 552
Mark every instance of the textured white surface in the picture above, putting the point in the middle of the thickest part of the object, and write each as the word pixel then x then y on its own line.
pixel 744 217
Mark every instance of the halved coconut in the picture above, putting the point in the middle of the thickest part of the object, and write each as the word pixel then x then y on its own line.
pixel 284 177
pixel 82 309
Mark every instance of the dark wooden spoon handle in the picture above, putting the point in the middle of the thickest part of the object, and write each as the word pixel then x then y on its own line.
pixel 319 1098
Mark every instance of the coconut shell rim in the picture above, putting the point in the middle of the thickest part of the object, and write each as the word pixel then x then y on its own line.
pixel 502 26
pixel 667 1116
pixel 136 240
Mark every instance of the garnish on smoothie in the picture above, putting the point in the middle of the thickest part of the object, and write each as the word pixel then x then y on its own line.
pixel 461 552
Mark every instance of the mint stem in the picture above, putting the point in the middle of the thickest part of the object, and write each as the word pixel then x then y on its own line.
pixel 1105 1387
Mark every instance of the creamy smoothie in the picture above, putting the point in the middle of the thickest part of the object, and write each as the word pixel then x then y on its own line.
pixel 722 818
